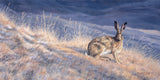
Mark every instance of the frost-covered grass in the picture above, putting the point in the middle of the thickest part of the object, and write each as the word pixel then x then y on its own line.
pixel 40 53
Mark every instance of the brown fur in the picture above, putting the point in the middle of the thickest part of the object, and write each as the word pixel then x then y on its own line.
pixel 105 44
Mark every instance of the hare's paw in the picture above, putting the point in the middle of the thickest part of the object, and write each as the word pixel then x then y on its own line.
pixel 105 59
pixel 118 62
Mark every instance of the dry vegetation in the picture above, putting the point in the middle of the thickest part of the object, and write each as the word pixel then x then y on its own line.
pixel 39 55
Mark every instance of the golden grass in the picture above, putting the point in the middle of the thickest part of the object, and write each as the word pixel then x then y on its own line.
pixel 4 49
pixel 46 35
pixel 133 61
pixel 134 64
pixel 5 20
pixel 78 41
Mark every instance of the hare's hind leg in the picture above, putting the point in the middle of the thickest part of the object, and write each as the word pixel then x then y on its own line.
pixel 98 56
pixel 102 53
pixel 101 58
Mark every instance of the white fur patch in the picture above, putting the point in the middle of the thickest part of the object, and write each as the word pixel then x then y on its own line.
pixel 86 53
pixel 105 52
pixel 118 51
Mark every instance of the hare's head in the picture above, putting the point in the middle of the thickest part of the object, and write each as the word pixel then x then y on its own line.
pixel 119 35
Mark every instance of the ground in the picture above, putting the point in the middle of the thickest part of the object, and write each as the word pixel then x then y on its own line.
pixel 28 54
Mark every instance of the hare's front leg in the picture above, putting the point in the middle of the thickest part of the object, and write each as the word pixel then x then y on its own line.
pixel 118 60
pixel 115 57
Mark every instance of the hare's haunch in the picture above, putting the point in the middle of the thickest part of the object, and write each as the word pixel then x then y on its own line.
pixel 106 44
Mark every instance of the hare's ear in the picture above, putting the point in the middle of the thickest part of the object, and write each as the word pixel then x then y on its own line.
pixel 116 26
pixel 123 26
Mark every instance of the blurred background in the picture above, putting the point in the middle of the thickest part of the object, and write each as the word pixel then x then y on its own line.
pixel 140 14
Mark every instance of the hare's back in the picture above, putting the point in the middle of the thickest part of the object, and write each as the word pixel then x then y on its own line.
pixel 103 39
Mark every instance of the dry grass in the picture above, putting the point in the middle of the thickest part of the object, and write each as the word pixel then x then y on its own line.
pixel 78 41
pixel 46 35
pixel 136 63
pixel 28 44
pixel 135 66
pixel 5 20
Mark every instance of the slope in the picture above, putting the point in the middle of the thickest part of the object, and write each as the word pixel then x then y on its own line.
pixel 38 54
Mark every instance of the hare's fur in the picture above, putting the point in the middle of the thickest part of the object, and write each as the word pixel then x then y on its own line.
pixel 106 44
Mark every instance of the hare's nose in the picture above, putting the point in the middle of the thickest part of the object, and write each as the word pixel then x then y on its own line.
pixel 118 40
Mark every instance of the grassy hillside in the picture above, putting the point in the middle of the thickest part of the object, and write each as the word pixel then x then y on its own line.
pixel 38 54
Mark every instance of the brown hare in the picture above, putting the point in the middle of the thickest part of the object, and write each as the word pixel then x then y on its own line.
pixel 106 44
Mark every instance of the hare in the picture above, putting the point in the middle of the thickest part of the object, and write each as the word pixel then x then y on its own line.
pixel 106 44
